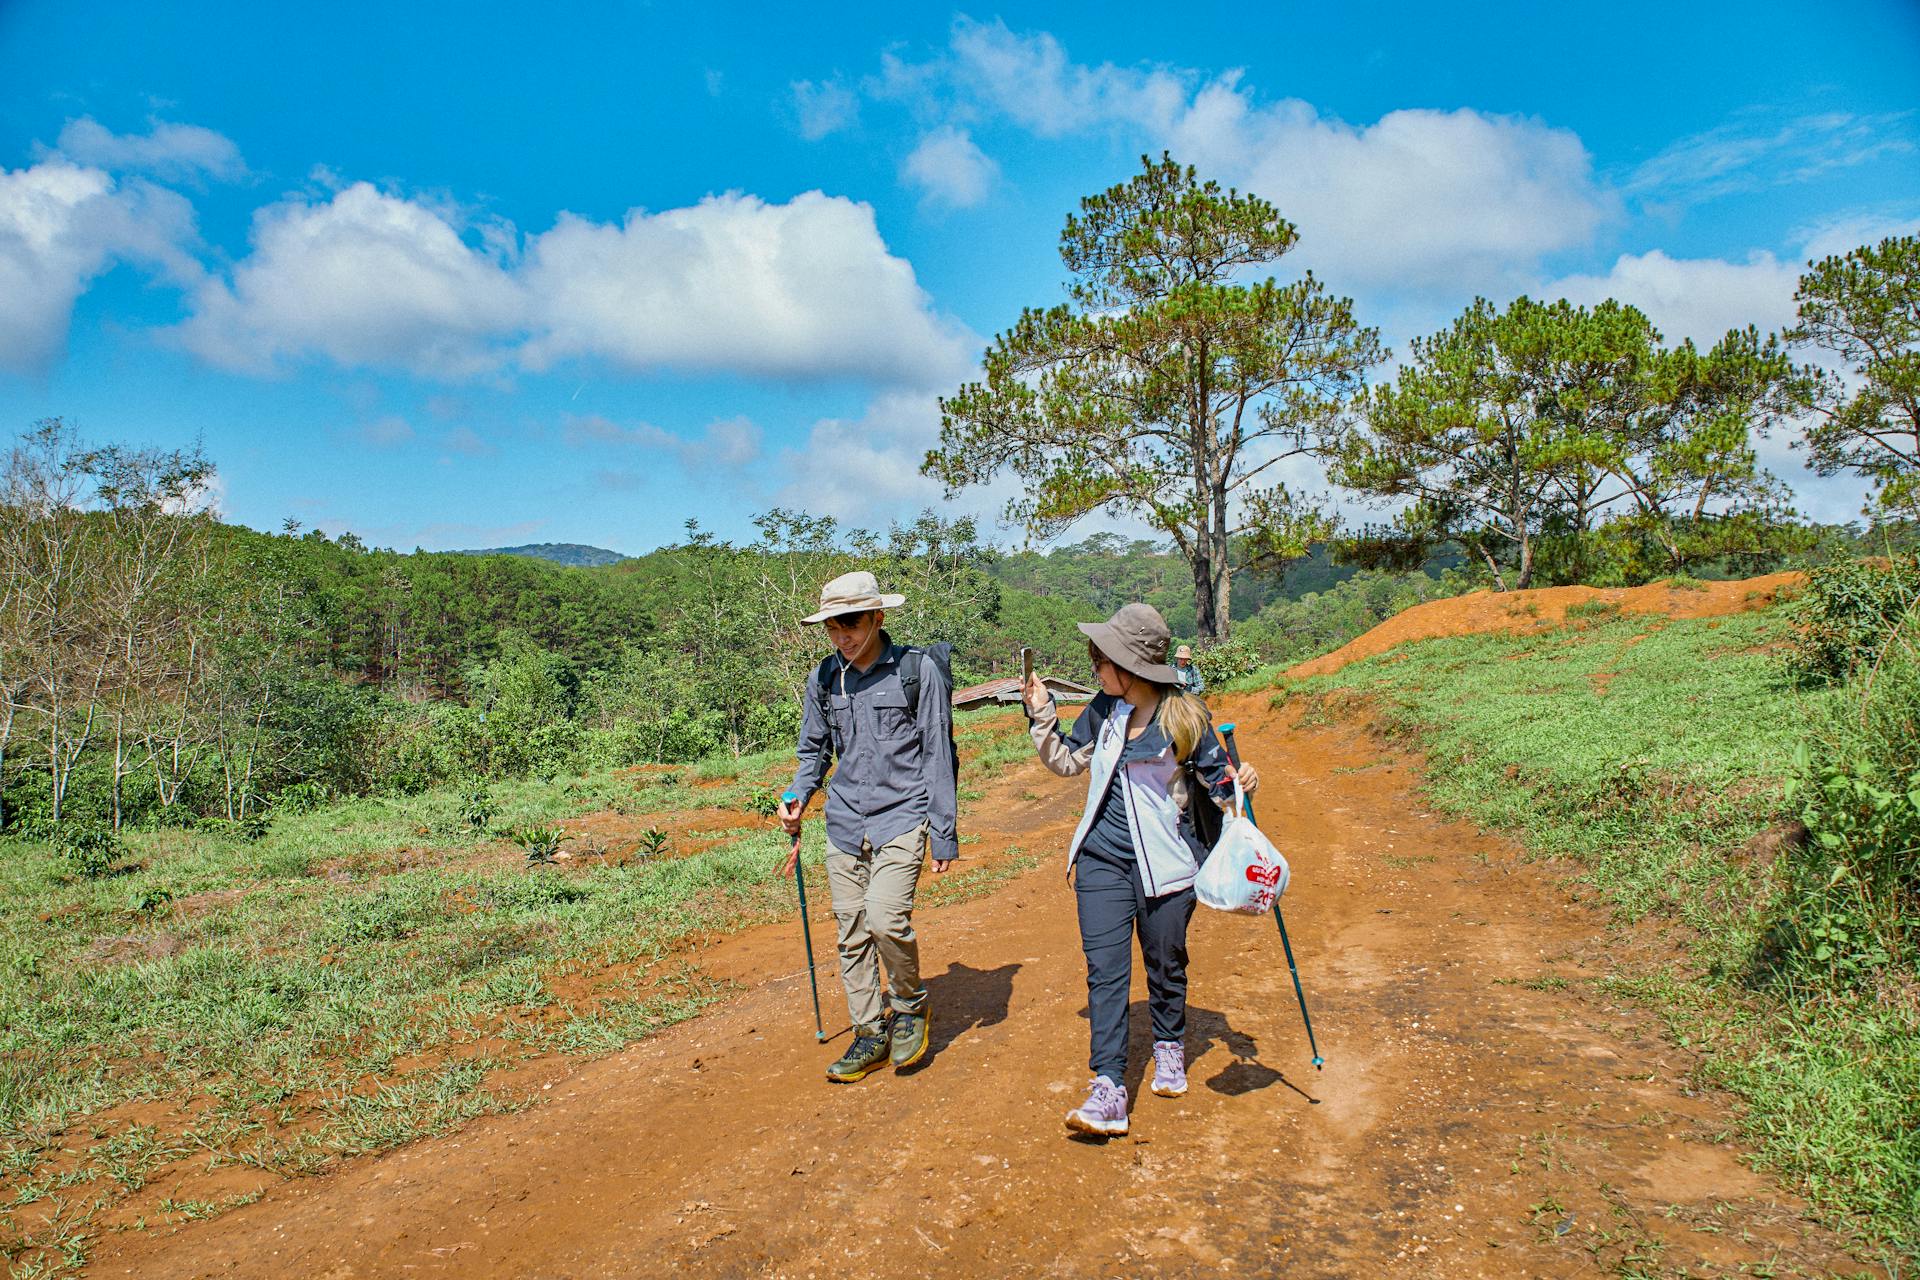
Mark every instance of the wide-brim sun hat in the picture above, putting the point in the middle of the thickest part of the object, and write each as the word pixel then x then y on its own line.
pixel 1135 639
pixel 852 593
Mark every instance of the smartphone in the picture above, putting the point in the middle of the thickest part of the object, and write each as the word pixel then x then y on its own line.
pixel 1026 667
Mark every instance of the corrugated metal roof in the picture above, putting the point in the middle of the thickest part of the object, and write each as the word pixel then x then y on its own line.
pixel 1005 691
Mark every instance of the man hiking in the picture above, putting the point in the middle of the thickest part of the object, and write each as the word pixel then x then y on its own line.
pixel 879 713
pixel 1190 678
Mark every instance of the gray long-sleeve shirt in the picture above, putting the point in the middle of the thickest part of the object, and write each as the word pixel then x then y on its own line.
pixel 891 768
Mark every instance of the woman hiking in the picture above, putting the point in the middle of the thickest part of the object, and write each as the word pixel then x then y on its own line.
pixel 1153 760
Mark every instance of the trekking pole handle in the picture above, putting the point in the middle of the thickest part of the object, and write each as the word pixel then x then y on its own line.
pixel 1233 754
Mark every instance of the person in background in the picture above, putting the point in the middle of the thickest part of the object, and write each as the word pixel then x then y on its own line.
pixel 1190 678
pixel 1152 761
pixel 883 712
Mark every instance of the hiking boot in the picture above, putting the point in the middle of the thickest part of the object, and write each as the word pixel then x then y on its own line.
pixel 1104 1113
pixel 909 1035
pixel 1169 1068
pixel 867 1054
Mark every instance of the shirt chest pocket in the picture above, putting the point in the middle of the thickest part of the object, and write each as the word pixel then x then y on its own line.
pixel 840 712
pixel 892 717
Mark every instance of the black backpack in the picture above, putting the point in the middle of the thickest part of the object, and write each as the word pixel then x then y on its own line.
pixel 910 659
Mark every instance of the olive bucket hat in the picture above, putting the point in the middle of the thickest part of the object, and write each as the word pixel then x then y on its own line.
pixel 1135 639
pixel 854 592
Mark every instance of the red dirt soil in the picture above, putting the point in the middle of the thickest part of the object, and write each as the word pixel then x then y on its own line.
pixel 1484 1111
pixel 1484 611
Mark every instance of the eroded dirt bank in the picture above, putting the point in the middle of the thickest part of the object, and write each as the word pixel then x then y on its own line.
pixel 1483 1112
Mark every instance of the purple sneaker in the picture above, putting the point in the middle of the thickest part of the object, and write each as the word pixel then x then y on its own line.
pixel 1169 1068
pixel 1104 1113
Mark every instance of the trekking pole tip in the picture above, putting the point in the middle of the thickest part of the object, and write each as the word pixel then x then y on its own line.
pixel 1318 1062
pixel 1227 727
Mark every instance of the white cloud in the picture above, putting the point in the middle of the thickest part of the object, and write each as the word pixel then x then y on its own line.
pixel 801 290
pixel 1762 148
pixel 950 169
pixel 389 432
pixel 175 152
pixel 365 279
pixel 1844 234
pixel 61 225
pixel 824 107
pixel 805 289
pixel 1422 199
pixel 1697 298
pixel 1453 200
pixel 726 444
pixel 862 470
pixel 1031 81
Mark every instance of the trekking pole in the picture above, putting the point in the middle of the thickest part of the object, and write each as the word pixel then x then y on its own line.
pixel 1319 1063
pixel 806 932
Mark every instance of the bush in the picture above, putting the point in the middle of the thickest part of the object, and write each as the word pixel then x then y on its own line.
pixel 92 850
pixel 1846 613
pixel 1854 891
pixel 1223 660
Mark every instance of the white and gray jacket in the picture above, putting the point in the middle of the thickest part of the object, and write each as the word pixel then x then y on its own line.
pixel 1156 789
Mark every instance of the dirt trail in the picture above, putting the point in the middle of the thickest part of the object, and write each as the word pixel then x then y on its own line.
pixel 1483 1111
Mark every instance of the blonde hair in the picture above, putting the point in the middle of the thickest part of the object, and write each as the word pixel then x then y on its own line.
pixel 1185 719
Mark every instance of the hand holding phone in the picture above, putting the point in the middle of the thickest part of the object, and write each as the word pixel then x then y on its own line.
pixel 1031 689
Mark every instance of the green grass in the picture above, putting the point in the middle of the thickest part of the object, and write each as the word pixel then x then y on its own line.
pixel 349 982
pixel 1651 753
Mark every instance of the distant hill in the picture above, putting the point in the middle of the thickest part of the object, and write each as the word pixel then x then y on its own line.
pixel 568 553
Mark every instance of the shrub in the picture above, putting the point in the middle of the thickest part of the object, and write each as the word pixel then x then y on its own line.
pixel 477 808
pixel 541 843
pixel 1854 891
pixel 1846 613
pixel 92 850
pixel 1223 660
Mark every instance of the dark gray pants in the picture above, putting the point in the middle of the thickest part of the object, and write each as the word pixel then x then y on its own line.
pixel 1113 907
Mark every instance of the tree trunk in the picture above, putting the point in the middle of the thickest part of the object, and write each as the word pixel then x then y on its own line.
pixel 1223 565
pixel 1526 563
pixel 1205 608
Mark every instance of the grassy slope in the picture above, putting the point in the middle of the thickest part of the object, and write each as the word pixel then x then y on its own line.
pixel 1654 753
pixel 352 980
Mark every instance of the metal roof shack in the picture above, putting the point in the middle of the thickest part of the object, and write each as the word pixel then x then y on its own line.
pixel 1005 692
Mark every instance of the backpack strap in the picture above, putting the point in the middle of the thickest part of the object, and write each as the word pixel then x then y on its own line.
pixel 910 659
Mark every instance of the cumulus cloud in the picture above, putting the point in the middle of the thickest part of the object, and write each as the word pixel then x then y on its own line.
pixel 950 169
pixel 1702 298
pixel 172 152
pixel 800 290
pixel 854 468
pixel 63 224
pixel 1455 200
pixel 1697 298
pixel 365 279
pixel 1437 199
pixel 734 284
pixel 1031 80
pixel 824 107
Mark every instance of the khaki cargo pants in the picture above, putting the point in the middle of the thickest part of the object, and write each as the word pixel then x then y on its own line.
pixel 873 902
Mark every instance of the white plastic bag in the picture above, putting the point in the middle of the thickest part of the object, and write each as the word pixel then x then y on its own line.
pixel 1244 872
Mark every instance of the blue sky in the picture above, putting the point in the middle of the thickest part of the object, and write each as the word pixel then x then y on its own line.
pixel 482 274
